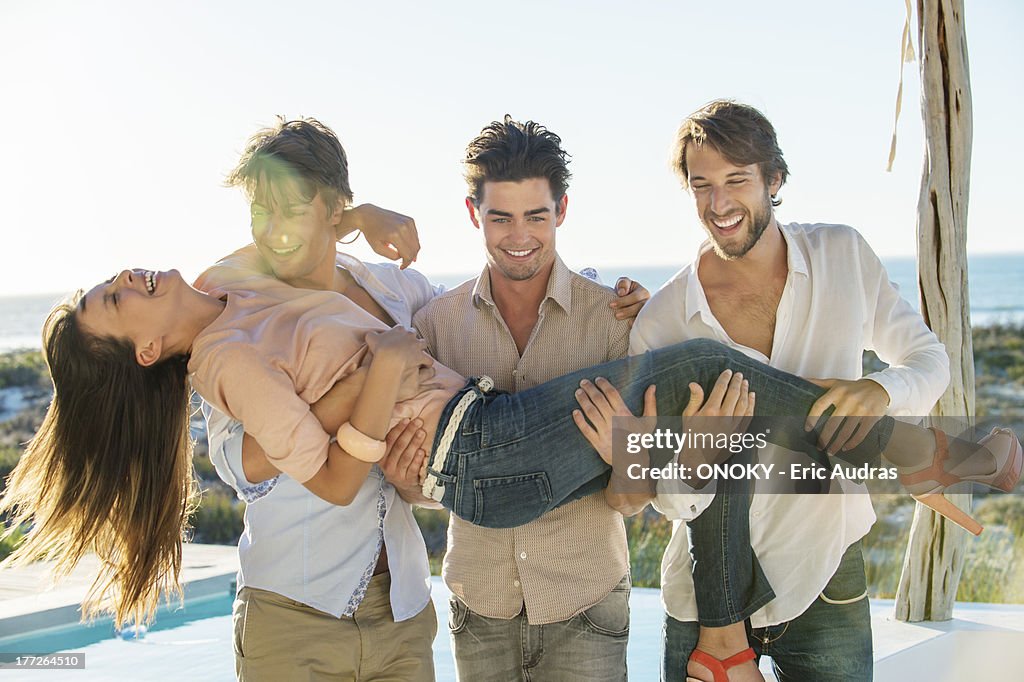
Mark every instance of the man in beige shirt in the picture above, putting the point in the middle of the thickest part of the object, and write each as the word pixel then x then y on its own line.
pixel 548 600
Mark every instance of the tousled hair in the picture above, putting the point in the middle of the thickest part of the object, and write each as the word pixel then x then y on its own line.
pixel 510 151
pixel 109 471
pixel 302 156
pixel 739 132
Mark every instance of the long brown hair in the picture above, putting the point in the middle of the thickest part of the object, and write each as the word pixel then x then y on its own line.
pixel 109 471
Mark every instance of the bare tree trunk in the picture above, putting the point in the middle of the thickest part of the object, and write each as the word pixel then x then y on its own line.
pixel 935 554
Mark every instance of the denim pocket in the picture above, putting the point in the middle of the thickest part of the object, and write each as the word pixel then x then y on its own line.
pixel 610 616
pixel 457 613
pixel 849 583
pixel 508 501
pixel 470 425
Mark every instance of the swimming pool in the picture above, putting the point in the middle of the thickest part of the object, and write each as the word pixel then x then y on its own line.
pixel 195 644
pixel 77 636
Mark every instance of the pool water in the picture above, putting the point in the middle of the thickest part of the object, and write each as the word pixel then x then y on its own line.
pixel 77 636
pixel 195 644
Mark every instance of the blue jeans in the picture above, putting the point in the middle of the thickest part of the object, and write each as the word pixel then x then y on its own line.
pixel 589 647
pixel 729 584
pixel 518 456
pixel 829 642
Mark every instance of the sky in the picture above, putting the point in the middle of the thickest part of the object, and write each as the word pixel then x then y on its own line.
pixel 122 118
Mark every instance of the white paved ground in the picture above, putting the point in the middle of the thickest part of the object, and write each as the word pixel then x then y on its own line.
pixel 982 642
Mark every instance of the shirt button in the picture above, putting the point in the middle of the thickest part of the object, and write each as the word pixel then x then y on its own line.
pixel 516 583
pixel 522 555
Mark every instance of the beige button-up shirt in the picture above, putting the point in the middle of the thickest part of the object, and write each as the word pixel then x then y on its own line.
pixel 570 558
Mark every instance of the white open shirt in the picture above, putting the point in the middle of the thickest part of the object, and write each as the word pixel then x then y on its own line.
pixel 837 301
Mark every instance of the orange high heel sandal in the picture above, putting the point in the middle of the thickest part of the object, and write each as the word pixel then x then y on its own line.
pixel 1005 477
pixel 720 668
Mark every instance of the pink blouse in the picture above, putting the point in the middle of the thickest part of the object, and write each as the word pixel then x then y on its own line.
pixel 275 350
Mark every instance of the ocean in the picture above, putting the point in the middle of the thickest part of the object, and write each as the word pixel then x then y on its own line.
pixel 996 290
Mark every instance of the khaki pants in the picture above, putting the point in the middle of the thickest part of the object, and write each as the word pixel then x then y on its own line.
pixel 277 639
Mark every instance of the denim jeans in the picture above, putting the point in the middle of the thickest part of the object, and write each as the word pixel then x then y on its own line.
pixel 589 647
pixel 829 642
pixel 728 582
pixel 517 456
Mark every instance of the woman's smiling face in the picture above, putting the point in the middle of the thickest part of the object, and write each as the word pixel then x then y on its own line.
pixel 138 305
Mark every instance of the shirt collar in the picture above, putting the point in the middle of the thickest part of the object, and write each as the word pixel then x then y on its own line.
pixel 364 277
pixel 697 300
pixel 794 254
pixel 559 286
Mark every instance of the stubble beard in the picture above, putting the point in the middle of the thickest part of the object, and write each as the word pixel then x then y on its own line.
pixel 759 222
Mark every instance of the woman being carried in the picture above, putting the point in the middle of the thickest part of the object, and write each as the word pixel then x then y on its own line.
pixel 110 468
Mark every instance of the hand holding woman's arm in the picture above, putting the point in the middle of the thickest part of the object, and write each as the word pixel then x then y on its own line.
pixel 405 459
